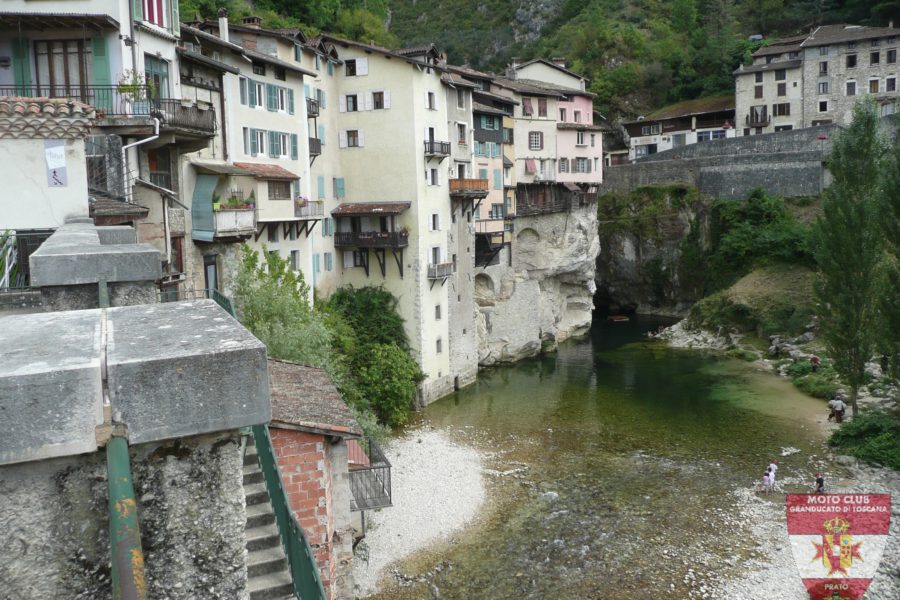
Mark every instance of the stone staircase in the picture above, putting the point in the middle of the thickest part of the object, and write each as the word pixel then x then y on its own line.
pixel 267 567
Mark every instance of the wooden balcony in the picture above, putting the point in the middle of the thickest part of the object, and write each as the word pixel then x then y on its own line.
pixel 308 209
pixel 315 146
pixel 441 270
pixel 433 148
pixel 234 222
pixel 469 188
pixel 371 239
pixel 312 108
pixel 758 120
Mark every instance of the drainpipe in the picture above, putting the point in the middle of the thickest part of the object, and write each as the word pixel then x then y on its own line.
pixel 127 147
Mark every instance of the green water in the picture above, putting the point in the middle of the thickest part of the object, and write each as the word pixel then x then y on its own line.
pixel 643 446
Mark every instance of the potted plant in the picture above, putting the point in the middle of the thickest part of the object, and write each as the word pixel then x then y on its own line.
pixel 217 202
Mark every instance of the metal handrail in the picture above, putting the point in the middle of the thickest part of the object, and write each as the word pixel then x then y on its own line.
pixel 111 100
pixel 304 571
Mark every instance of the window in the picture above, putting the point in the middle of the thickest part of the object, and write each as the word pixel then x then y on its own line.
pixel 851 88
pixel 823 87
pixel 823 67
pixel 460 98
pixel 329 257
pixel 280 74
pixel 359 258
pixel 876 42
pixel 378 100
pixel 430 101
pixel 891 57
pixel 823 106
pixel 353 138
pixel 352 102
pixel 320 97
pixel 650 129
pixel 759 77
pixel 437 312
pixel 780 74
pixel 758 92
pixel 62 62
pixel 432 177
pixel 527 109
pixel 873 86
pixel 461 137
pixel 793 55
pixel 890 84
pixel 679 139
pixel 874 58
pixel 257 142
pixel 154 12
pixel 257 94
pixel 259 68
pixel 645 150
pixel 542 107
pixel 438 346
pixel 562 115
pixel 781 110
pixel 782 89
pixel 851 45
pixel 851 61
pixel 706 136
pixel 350 68
pixel 579 138
pixel 273 233
pixel 582 165
pixel 435 222
pixel 281 145
pixel 563 165
pixel 823 51
pixel 279 190
pixel 339 187
pixel 535 140
pixel 295 259
pixel 156 73
pixel 783 128
pixel 578 116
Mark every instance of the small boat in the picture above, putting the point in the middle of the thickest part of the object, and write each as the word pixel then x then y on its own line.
pixel 617 318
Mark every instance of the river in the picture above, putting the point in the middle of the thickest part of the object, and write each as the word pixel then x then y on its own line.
pixel 621 457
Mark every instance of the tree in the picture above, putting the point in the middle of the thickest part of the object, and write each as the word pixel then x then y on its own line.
pixel 389 377
pixel 888 299
pixel 847 247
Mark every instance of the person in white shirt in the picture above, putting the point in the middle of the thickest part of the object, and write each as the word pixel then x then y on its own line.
pixel 839 407
pixel 773 468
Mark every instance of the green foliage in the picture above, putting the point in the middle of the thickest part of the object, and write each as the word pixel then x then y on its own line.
pixel 873 436
pixel 360 24
pixel 742 354
pixel 372 313
pixel 389 376
pixel 817 385
pixel 848 247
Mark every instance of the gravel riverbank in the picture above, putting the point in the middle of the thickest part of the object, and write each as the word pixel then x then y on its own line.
pixel 437 487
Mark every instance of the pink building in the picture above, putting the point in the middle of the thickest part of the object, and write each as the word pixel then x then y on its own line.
pixel 579 144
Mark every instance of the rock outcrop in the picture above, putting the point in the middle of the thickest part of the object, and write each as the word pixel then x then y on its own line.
pixel 541 292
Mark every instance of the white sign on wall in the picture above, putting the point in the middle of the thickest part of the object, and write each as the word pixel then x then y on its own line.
pixel 55 155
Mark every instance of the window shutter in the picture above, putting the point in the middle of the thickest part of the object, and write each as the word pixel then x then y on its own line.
pixel 541 137
pixel 273 143
pixel 307 90
pixel 370 102
pixel 174 18
pixel 440 176
pixel 22 64
pixel 330 68
pixel 320 184
pixel 342 103
pixel 497 183
pixel 387 99
pixel 137 10
pixel 587 161
pixel 361 138
pixel 340 187
pixel 100 61
pixel 254 143
pixel 271 97
pixel 290 101
pixel 426 100
pixel 242 84
pixel 294 147
pixel 251 92
pixel 322 134
pixel 348 259
pixel 542 106
pixel 322 101
pixel 342 139
pixel 295 188
pixel 362 66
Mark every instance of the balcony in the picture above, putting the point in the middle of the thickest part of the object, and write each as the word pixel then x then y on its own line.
pixel 184 114
pixel 305 209
pixel 108 100
pixel 315 146
pixel 441 270
pixel 235 222
pixel 545 176
pixel 469 188
pixel 371 239
pixel 433 148
pixel 757 120
pixel 370 475
pixel 312 108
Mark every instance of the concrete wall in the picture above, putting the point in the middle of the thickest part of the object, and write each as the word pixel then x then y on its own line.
pixel 54 517
pixel 33 203
pixel 316 480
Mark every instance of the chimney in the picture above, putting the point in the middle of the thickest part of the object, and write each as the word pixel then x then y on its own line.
pixel 223 24
pixel 559 61
pixel 252 21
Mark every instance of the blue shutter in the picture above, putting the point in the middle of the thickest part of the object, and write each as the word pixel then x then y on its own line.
pixel 272 141
pixel 329 258
pixel 295 188
pixel 202 226
pixel 320 184
pixel 330 70
pixel 307 90
pixel 251 89
pixel 340 187
pixel 498 183
pixel 294 151
pixel 242 84
pixel 322 102
pixel 317 266
pixel 322 134
pixel 290 101
pixel 271 97
pixel 254 143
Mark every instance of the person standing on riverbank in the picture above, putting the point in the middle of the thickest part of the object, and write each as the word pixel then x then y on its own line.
pixel 815 361
pixel 839 407
pixel 820 483
pixel 773 468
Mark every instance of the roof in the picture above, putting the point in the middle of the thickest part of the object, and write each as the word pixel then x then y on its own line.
pixel 108 207
pixel 419 49
pixel 579 126
pixel 208 37
pixel 250 53
pixel 371 208
pixel 527 88
pixel 380 50
pixel 304 397
pixel 496 97
pixel 267 58
pixel 44 118
pixel 824 36
pixel 206 60
pixel 562 89
pixel 217 168
pixel 470 72
pixel 266 171
pixel 479 107
pixel 772 66
pixel 550 64
pixel 285 34
pixel 55 20
pixel 456 80
pixel 507 162
pixel 688 108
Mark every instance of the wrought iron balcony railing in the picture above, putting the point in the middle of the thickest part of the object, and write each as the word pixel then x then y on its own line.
pixel 109 100
pixel 370 475
pixel 433 148
pixel 371 239
pixel 312 107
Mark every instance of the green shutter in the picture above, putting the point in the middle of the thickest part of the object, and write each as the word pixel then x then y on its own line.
pixel 271 97
pixel 482 173
pixel 320 183
pixel 137 10
pixel 295 188
pixel 273 144
pixel 251 89
pixel 498 184
pixel 322 134
pixel 340 187
pixel 307 90
pixel 294 151
pixel 101 76
pixel 202 226
pixel 174 18
pixel 242 84
pixel 21 66
pixel 290 101
pixel 254 143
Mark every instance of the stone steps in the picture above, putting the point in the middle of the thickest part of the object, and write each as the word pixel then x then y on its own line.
pixel 267 567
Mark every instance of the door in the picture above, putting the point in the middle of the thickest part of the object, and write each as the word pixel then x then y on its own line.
pixel 156 74
pixel 63 68
pixel 211 271
pixel 461 171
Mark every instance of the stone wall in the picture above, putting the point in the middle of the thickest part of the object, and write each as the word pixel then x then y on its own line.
pixel 54 517
pixel 546 294
pixel 315 478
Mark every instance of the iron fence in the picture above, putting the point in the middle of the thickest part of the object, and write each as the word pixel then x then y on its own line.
pixel 434 148
pixel 110 100
pixel 15 249
pixel 177 295
pixel 370 475
pixel 175 113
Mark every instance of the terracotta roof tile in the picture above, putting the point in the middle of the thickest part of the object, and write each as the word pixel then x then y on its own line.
pixel 266 171
pixel 304 397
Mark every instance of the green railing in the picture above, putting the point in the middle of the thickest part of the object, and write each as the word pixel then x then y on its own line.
pixel 304 571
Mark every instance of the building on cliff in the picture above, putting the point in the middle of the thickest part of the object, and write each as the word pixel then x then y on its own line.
pixel 681 124
pixel 816 78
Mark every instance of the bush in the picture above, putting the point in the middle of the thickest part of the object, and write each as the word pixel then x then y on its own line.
pixel 389 378
pixel 741 354
pixel 372 313
pixel 817 385
pixel 873 436
pixel 799 368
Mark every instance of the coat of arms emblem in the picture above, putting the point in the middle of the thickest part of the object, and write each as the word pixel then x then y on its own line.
pixel 837 541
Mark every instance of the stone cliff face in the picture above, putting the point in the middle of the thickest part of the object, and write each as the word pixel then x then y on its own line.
pixel 542 291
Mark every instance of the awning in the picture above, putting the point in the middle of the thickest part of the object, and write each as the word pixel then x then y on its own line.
pixel 217 168
pixel 507 162
pixel 207 61
pixel 530 167
pixel 571 187
pixel 22 20
pixel 370 208
pixel 266 171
